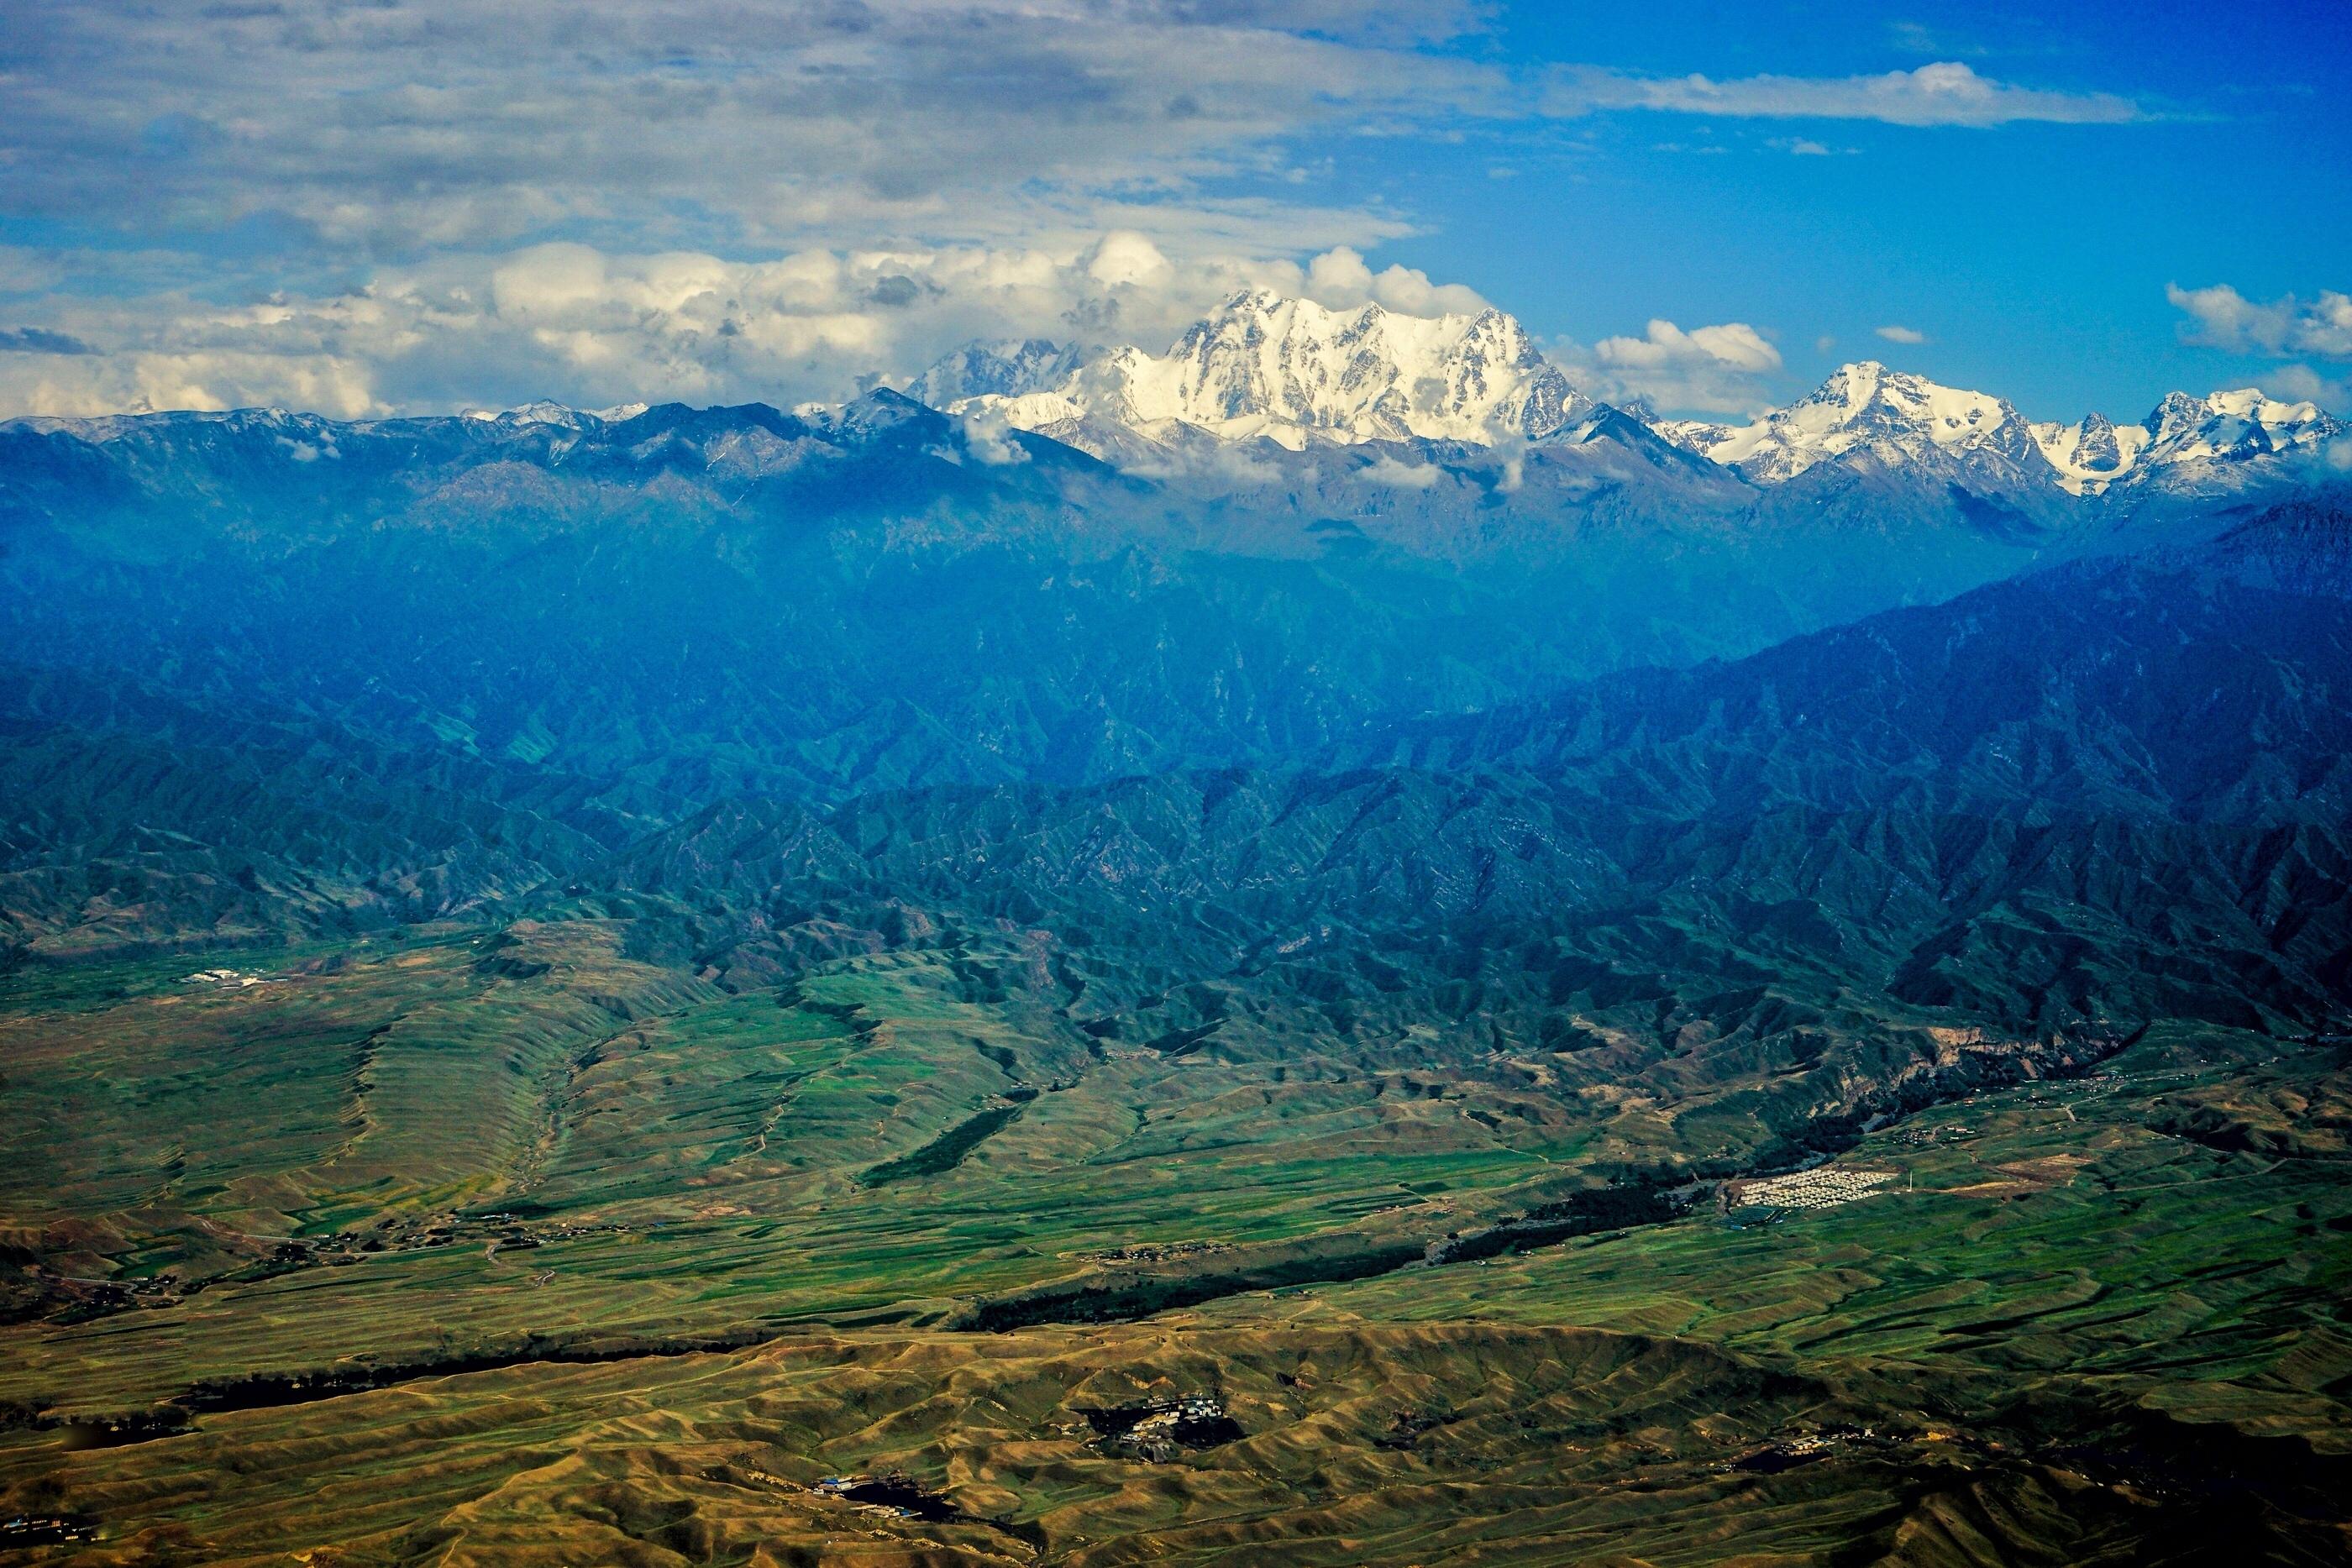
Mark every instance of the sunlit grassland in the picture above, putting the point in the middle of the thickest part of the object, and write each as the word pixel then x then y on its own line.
pixel 2046 1230
pixel 560 1146
pixel 1588 1399
pixel 688 1161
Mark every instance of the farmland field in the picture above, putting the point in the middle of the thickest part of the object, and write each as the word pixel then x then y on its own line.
pixel 521 1248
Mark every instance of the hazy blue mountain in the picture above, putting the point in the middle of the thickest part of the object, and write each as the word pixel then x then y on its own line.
pixel 820 604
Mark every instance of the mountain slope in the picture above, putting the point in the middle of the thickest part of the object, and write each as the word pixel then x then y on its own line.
pixel 704 911
pixel 714 601
pixel 2107 792
pixel 2005 806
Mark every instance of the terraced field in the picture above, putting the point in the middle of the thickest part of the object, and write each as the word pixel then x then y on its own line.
pixel 652 1155
pixel 515 1248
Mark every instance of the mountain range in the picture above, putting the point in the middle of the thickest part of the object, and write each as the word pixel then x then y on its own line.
pixel 1318 948
pixel 272 673
pixel 1295 373
pixel 1298 525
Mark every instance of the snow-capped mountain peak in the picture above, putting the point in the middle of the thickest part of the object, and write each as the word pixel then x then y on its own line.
pixel 1868 415
pixel 1289 370
pixel 1865 412
pixel 2092 455
pixel 994 369
pixel 2207 442
pixel 540 411
pixel 1264 366
pixel 2233 424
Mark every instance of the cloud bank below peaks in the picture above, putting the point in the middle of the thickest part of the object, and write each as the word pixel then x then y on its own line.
pixel 569 321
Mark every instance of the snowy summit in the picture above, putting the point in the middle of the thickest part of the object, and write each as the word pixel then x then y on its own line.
pixel 1866 414
pixel 1287 370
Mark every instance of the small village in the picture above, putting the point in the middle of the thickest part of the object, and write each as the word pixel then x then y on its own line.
pixel 1159 1430
pixel 229 980
pixel 1928 1137
pixel 891 1494
pixel 1825 1187
pixel 1157 1253
pixel 30 1530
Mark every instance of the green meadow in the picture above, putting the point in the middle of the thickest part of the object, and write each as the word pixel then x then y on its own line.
pixel 535 1245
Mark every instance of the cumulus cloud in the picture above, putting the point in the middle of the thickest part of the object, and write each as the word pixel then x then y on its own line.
pixel 389 126
pixel 2301 384
pixel 1340 279
pixel 1387 470
pixel 441 203
pixel 2287 328
pixel 1895 334
pixel 569 321
pixel 987 437
pixel 1735 344
pixel 371 205
pixel 2221 318
pixel 1945 93
pixel 1711 370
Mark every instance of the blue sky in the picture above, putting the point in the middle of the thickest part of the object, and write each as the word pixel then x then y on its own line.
pixel 2033 255
pixel 374 206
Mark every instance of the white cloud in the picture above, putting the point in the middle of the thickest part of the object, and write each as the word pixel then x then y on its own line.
pixel 2301 384
pixel 571 322
pixel 2221 318
pixel 1712 369
pixel 1124 259
pixel 719 200
pixel 988 435
pixel 700 199
pixel 393 126
pixel 203 379
pixel 1387 470
pixel 1945 93
pixel 1340 279
pixel 1230 465
pixel 1902 334
pixel 1735 344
